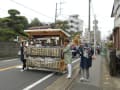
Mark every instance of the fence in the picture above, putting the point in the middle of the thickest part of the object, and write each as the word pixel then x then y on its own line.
pixel 8 49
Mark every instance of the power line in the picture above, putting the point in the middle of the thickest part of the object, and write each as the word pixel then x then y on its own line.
pixel 30 9
pixel 56 10
pixel 60 8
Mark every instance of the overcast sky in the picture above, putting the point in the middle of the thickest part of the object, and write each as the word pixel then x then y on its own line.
pixel 45 11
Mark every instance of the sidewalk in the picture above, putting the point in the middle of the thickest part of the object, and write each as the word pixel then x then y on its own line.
pixel 74 84
pixel 100 79
pixel 62 83
pixel 95 78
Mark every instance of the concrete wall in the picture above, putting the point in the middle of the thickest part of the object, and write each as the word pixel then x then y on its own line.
pixel 8 49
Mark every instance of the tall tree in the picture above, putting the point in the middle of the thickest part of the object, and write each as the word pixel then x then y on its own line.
pixel 13 12
pixel 15 20
pixel 35 22
pixel 60 24
pixel 14 24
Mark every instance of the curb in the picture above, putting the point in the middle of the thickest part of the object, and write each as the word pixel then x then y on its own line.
pixel 73 79
pixel 62 83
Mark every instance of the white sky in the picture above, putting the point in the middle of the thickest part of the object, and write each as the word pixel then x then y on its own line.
pixel 102 9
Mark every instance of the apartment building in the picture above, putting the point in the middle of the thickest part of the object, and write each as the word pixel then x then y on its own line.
pixel 76 24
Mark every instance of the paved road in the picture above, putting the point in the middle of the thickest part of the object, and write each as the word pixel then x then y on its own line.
pixel 11 78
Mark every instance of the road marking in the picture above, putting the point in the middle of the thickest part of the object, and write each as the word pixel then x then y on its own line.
pixel 38 82
pixel 44 78
pixel 19 67
pixel 8 68
pixel 9 60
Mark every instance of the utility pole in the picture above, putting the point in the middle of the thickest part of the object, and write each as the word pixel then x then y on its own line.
pixel 95 27
pixel 56 9
pixel 55 13
pixel 94 22
pixel 89 20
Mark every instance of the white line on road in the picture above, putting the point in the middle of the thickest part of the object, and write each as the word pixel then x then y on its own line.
pixel 20 66
pixel 38 82
pixel 9 60
pixel 44 78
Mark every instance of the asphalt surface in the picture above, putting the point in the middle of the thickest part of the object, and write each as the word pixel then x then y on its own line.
pixel 100 78
pixel 9 62
pixel 11 77
pixel 95 80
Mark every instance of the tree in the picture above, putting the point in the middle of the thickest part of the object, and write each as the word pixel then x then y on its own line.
pixel 16 23
pixel 35 22
pixel 13 25
pixel 6 34
pixel 62 24
pixel 110 37
pixel 14 19
pixel 13 12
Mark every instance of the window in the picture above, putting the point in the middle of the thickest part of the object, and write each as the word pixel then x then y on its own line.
pixel 71 26
pixel 71 21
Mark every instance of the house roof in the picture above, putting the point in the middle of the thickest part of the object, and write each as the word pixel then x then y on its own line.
pixel 116 6
pixel 112 15
pixel 49 31
pixel 39 27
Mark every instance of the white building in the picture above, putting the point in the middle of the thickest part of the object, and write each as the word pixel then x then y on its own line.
pixel 76 24
pixel 116 13
pixel 116 31
pixel 97 34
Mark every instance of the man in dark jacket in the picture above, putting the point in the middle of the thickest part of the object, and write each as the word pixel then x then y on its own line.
pixel 22 56
pixel 86 62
